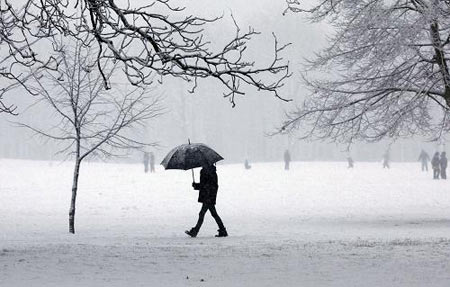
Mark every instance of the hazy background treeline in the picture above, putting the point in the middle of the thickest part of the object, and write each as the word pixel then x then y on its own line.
pixel 205 116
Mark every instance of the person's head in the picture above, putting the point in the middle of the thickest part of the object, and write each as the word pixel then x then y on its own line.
pixel 436 153
pixel 443 154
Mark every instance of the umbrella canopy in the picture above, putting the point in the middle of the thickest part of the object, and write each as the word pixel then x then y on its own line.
pixel 189 156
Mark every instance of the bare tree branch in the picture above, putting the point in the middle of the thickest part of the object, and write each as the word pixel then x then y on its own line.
pixel 154 39
pixel 387 71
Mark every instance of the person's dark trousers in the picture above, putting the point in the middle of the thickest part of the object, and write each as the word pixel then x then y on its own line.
pixel 145 167
pixel 201 216
pixel 152 168
pixel 424 166
pixel 444 174
pixel 436 173
pixel 286 165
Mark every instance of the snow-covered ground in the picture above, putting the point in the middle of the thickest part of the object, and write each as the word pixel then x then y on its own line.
pixel 319 224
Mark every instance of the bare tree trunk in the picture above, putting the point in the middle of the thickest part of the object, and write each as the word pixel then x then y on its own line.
pixel 440 59
pixel 74 196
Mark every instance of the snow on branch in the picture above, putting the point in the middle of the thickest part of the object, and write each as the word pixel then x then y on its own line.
pixel 153 39
pixel 385 72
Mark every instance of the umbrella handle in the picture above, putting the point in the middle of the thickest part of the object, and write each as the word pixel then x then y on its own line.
pixel 192 170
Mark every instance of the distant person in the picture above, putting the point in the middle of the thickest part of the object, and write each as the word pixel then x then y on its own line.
pixel 152 162
pixel 436 165
pixel 386 159
pixel 350 162
pixel 247 165
pixel 424 158
pixel 443 165
pixel 287 159
pixel 146 160
pixel 207 187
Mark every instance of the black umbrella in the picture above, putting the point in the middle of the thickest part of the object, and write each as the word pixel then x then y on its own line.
pixel 188 156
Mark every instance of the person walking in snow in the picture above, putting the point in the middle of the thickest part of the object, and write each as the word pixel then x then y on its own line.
pixel 145 160
pixel 350 162
pixel 443 165
pixel 152 162
pixel 207 188
pixel 436 165
pixel 287 159
pixel 424 158
pixel 247 165
pixel 386 159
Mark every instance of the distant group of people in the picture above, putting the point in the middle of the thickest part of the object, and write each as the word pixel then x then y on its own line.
pixel 286 157
pixel 438 164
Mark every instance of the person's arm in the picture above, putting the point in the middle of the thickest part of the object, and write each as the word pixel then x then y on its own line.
pixel 197 186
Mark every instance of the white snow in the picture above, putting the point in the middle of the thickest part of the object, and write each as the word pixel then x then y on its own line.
pixel 319 224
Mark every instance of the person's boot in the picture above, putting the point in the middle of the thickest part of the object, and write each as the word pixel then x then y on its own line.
pixel 192 233
pixel 222 233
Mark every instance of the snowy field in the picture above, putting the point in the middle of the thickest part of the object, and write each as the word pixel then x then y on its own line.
pixel 319 224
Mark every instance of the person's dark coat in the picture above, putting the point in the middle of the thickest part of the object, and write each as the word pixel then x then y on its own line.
pixel 435 162
pixel 208 185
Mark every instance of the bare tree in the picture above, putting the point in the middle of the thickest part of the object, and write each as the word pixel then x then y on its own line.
pixel 384 74
pixel 90 121
pixel 156 38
